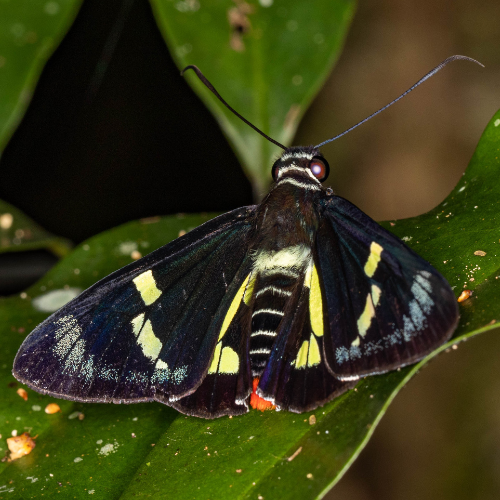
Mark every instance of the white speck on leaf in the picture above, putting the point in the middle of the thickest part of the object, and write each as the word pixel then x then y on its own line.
pixel 109 448
pixel 51 8
pixel 54 300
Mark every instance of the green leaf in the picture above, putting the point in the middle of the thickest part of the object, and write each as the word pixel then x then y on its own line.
pixel 269 74
pixel 151 451
pixel 18 233
pixel 29 33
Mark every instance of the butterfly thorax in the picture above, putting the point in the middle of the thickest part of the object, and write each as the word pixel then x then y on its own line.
pixel 288 215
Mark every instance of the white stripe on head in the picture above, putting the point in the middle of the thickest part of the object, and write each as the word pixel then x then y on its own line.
pixel 303 185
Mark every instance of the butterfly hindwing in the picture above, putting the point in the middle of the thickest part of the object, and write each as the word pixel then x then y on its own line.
pixel 227 382
pixel 296 377
pixel 387 307
pixel 147 331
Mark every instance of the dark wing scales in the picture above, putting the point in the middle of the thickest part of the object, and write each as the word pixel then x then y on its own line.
pixel 387 307
pixel 296 377
pixel 148 328
pixel 227 383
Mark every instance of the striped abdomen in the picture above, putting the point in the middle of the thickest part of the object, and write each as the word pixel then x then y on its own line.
pixel 277 273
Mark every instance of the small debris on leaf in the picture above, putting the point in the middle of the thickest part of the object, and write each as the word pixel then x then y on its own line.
pixel 309 476
pixel 22 393
pixel 480 253
pixel 150 220
pixel 291 457
pixel 464 295
pixel 135 255
pixel 20 446
pixel 52 408
pixel 6 220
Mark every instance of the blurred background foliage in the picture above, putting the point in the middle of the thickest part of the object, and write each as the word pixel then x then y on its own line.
pixel 114 134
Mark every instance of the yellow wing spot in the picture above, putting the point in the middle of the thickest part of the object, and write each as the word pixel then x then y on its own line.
pixel 149 342
pixel 301 359
pixel 373 259
pixel 316 304
pixel 365 319
pixel 146 286
pixel 249 289
pixel 215 359
pixel 355 342
pixel 308 354
pixel 137 323
pixel 233 308
pixel 376 292
pixel 226 361
pixel 314 357
pixel 229 361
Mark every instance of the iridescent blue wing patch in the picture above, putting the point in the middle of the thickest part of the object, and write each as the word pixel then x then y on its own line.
pixel 386 307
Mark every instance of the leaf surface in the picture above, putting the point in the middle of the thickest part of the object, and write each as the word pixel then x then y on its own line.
pixel 18 232
pixel 29 33
pixel 267 59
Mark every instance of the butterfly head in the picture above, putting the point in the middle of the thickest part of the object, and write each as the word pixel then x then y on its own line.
pixel 301 163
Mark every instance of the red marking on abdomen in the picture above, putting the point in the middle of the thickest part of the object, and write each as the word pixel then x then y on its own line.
pixel 258 403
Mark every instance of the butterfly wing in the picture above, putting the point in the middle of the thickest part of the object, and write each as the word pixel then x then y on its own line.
pixel 386 306
pixel 296 377
pixel 149 330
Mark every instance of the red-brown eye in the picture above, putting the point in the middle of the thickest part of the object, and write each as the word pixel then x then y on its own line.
pixel 319 168
pixel 274 171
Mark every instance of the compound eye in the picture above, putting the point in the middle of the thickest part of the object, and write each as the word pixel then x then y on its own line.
pixel 274 171
pixel 319 168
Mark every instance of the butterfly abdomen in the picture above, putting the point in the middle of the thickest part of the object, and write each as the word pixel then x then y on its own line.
pixel 278 273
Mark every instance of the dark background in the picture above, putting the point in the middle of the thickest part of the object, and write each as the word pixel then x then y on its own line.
pixel 114 133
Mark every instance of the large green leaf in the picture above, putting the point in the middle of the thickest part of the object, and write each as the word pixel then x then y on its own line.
pixel 269 74
pixel 149 450
pixel 29 32
pixel 18 232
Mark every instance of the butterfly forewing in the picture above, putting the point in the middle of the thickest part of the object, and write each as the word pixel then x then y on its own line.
pixel 147 331
pixel 387 307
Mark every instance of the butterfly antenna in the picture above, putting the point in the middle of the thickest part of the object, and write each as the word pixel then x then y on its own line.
pixel 422 80
pixel 207 84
